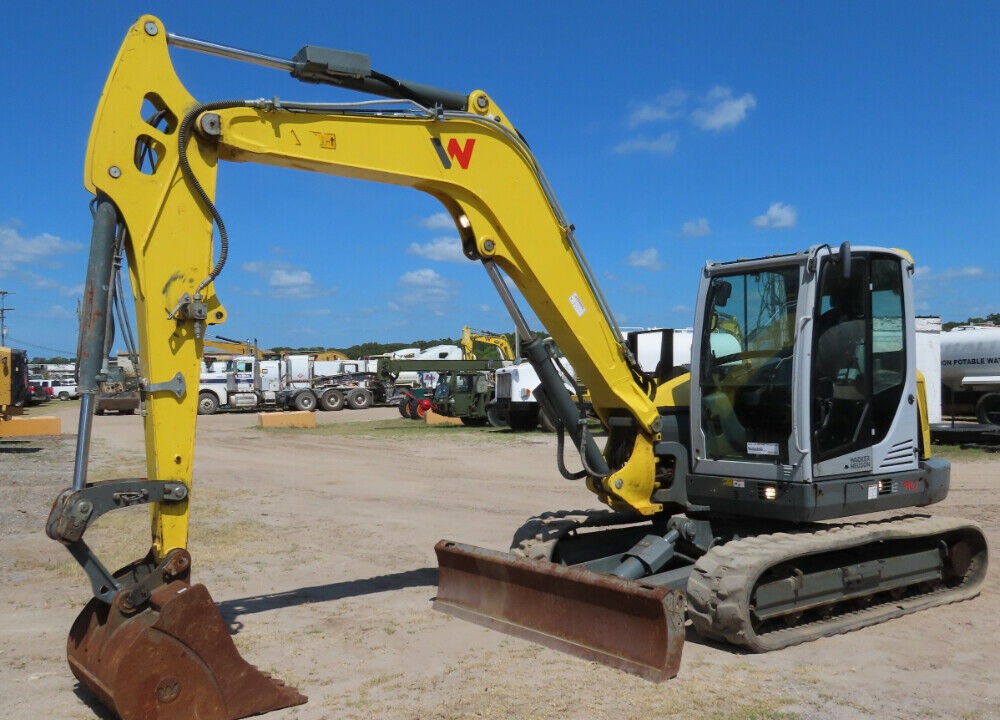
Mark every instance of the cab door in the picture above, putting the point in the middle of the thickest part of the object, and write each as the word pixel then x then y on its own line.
pixel 863 377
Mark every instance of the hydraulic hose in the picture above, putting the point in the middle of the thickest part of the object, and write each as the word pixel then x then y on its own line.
pixel 566 410
pixel 183 138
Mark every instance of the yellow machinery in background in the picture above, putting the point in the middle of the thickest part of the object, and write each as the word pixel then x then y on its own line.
pixel 14 395
pixel 470 337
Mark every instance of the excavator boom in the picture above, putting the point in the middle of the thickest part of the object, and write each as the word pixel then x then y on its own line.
pixel 153 178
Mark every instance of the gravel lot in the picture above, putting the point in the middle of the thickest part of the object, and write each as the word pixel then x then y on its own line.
pixel 318 547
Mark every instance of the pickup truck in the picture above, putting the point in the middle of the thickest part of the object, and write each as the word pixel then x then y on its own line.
pixel 57 388
pixel 63 389
pixel 38 393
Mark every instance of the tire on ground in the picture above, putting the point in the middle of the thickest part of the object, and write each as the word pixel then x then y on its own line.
pixel 359 399
pixel 304 400
pixel 208 404
pixel 547 423
pixel 493 416
pixel 988 409
pixel 331 399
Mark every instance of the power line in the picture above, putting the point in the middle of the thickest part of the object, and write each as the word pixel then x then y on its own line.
pixel 62 353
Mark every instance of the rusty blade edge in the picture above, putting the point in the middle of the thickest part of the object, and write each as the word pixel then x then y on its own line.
pixel 652 613
pixel 647 672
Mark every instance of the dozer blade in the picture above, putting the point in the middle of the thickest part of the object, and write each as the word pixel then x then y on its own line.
pixel 626 624
pixel 173 659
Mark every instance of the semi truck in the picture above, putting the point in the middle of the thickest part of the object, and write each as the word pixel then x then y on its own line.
pixel 249 383
pixel 296 382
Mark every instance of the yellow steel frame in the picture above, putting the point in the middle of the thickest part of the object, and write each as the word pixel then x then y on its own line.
pixel 497 197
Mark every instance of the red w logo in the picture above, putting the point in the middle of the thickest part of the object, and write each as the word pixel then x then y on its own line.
pixel 462 154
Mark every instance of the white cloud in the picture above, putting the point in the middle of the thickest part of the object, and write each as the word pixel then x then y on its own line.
pixel 284 280
pixel 437 221
pixel 648 259
pixel 665 144
pixel 57 312
pixel 423 287
pixel 425 278
pixel 444 249
pixel 696 228
pixel 664 108
pixel 721 111
pixel 970 272
pixel 44 282
pixel 636 289
pixel 17 250
pixel 778 215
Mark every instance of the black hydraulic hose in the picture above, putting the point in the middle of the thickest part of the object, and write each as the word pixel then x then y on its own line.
pixel 183 137
pixel 560 447
pixel 565 409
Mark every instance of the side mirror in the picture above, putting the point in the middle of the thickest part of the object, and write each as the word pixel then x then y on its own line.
pixel 721 292
pixel 845 259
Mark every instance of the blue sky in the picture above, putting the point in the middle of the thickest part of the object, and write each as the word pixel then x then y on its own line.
pixel 671 133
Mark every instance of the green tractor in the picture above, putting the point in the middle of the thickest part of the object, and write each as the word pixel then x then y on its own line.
pixel 465 394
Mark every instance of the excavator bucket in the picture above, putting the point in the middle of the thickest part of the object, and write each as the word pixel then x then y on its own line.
pixel 626 624
pixel 173 659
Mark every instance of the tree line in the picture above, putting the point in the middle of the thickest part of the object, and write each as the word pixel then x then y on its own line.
pixel 991 319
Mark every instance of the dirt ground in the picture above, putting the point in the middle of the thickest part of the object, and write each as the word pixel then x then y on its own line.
pixel 318 547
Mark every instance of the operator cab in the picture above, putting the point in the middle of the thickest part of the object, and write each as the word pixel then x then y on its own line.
pixel 804 371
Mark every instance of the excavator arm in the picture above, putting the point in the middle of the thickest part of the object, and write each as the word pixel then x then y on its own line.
pixel 152 161
pixel 470 336
pixel 235 347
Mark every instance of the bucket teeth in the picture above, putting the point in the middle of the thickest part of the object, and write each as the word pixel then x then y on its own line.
pixel 173 659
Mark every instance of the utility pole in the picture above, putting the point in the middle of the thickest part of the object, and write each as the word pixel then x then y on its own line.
pixel 3 316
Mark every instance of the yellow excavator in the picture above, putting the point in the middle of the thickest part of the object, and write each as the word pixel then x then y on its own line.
pixel 233 347
pixel 14 397
pixel 726 487
pixel 330 355
pixel 500 342
pixel 14 391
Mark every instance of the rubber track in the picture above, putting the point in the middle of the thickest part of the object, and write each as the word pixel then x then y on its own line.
pixel 722 581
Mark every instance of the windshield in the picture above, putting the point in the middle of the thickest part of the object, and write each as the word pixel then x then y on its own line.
pixel 747 373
